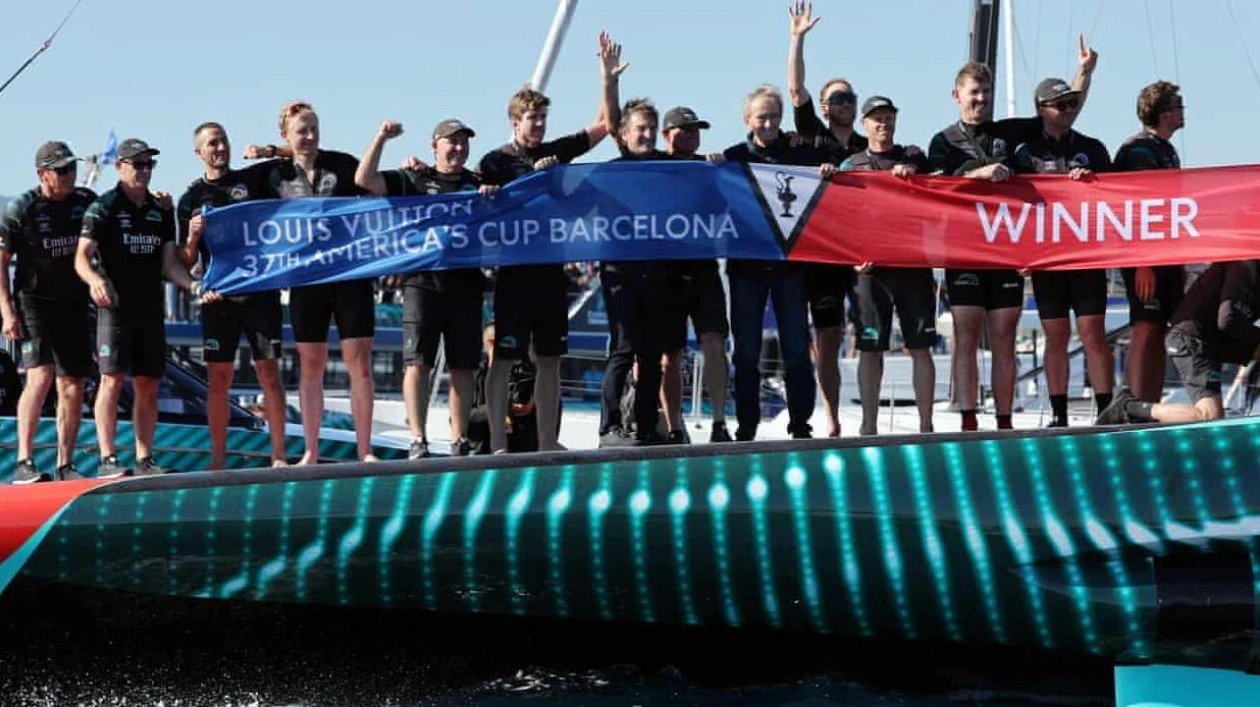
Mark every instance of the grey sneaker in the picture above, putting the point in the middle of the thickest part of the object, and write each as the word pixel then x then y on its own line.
pixel 419 449
pixel 1116 413
pixel 26 473
pixel 149 467
pixel 111 468
pixel 67 472
pixel 461 448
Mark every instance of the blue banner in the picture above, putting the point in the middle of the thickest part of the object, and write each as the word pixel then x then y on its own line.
pixel 568 213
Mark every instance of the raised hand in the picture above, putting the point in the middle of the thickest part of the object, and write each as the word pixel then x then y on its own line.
pixel 610 64
pixel 390 129
pixel 1086 55
pixel 802 19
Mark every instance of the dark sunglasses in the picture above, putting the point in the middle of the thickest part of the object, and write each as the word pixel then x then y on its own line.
pixel 144 164
pixel 1070 104
pixel 66 169
pixel 840 98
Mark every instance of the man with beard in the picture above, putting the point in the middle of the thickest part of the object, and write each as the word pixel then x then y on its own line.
pixel 437 306
pixel 50 314
pixel 911 291
pixel 975 147
pixel 530 302
pixel 1153 293
pixel 130 231
pixel 257 315
pixel 1058 149
pixel 829 285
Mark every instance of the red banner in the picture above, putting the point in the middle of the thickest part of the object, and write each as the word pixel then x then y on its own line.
pixel 1042 222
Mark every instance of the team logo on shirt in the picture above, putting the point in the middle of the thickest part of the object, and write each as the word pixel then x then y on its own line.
pixel 787 196
pixel 238 192
pixel 211 345
pixel 124 222
pixel 1081 159
pixel 153 215
pixel 327 183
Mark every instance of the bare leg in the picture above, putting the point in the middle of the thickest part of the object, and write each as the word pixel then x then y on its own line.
pixel 1209 408
pixel 39 381
pixel 144 414
pixel 497 401
pixel 357 353
pixel 1099 360
pixel 1147 359
pixel 461 401
pixel 1002 326
pixel 968 324
pixel 716 372
pixel 273 403
pixel 313 360
pixel 69 415
pixel 827 348
pixel 1056 362
pixel 870 373
pixel 671 389
pixel 415 394
pixel 217 410
pixel 547 401
pixel 924 385
pixel 106 412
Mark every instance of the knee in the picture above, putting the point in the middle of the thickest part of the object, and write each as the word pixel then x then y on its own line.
pixel 70 388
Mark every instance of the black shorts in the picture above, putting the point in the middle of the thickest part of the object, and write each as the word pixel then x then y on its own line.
pixel 531 305
pixel 451 315
pixel 57 334
pixel 313 307
pixel 1198 358
pixel 1060 293
pixel 131 344
pixel 1170 287
pixel 912 291
pixel 829 286
pixel 259 316
pixel 991 289
pixel 696 294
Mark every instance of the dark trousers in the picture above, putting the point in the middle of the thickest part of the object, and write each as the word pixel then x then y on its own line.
pixel 631 299
pixel 785 286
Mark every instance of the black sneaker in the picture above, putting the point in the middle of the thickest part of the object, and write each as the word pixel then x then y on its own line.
pixel 461 448
pixel 1116 413
pixel 419 449
pixel 26 473
pixel 111 468
pixel 616 437
pixel 719 433
pixel 678 437
pixel 149 467
pixel 801 431
pixel 67 472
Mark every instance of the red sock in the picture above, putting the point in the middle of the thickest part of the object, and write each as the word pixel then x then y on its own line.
pixel 1004 422
pixel 969 421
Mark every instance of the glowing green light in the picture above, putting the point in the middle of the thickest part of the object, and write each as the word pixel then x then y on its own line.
pixel 757 489
pixel 433 518
pixel 557 506
pixel 719 498
pixel 913 456
pixel 597 506
pixel 640 502
pixel 795 479
pixel 473 515
pixel 833 466
pixel 390 532
pixel 517 505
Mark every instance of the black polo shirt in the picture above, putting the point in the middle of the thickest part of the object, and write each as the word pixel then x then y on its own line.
pixel 1146 151
pixel 1224 303
pixel 129 240
pixel 44 236
pixel 410 182
pixel 236 186
pixel 960 147
pixel 1043 154
pixel 815 129
pixel 334 176
pixel 870 160
pixel 512 161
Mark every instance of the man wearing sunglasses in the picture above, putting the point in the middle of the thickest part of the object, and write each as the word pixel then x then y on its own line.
pixel 130 232
pixel 49 314
pixel 828 285
pixel 1058 149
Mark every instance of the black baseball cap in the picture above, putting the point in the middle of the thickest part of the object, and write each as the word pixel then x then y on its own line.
pixel 1051 90
pixel 874 103
pixel 52 155
pixel 450 128
pixel 682 117
pixel 132 148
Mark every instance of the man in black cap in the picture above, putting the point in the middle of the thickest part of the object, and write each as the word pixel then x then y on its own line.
pixel 258 315
pixel 50 314
pixel 878 290
pixel 702 298
pixel 1058 149
pixel 131 233
pixel 1153 293
pixel 976 147
pixel 437 306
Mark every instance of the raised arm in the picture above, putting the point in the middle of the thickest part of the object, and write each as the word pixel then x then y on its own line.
pixel 801 22
pixel 1087 60
pixel 610 68
pixel 368 176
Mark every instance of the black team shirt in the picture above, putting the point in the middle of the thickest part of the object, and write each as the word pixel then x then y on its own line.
pixel 334 176
pixel 408 182
pixel 811 127
pixel 44 236
pixel 129 240
pixel 960 147
pixel 1224 303
pixel 238 185
pixel 1043 154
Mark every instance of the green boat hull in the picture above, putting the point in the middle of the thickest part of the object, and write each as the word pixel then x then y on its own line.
pixel 1093 542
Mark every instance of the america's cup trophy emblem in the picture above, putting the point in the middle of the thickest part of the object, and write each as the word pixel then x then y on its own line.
pixel 785 193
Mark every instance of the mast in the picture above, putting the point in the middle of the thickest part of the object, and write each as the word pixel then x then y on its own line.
pixel 559 27
pixel 1008 46
pixel 983 42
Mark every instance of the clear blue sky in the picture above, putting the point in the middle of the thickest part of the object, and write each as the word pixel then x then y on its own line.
pixel 155 68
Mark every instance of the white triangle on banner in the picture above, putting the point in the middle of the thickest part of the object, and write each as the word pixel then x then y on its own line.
pixel 787 194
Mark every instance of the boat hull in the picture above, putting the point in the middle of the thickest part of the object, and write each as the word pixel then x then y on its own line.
pixel 1131 544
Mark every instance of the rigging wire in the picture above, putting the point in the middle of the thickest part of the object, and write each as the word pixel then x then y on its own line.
pixel 1172 23
pixel 1243 41
pixel 1037 41
pixel 1068 42
pixel 1150 36
pixel 42 48
pixel 1093 27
